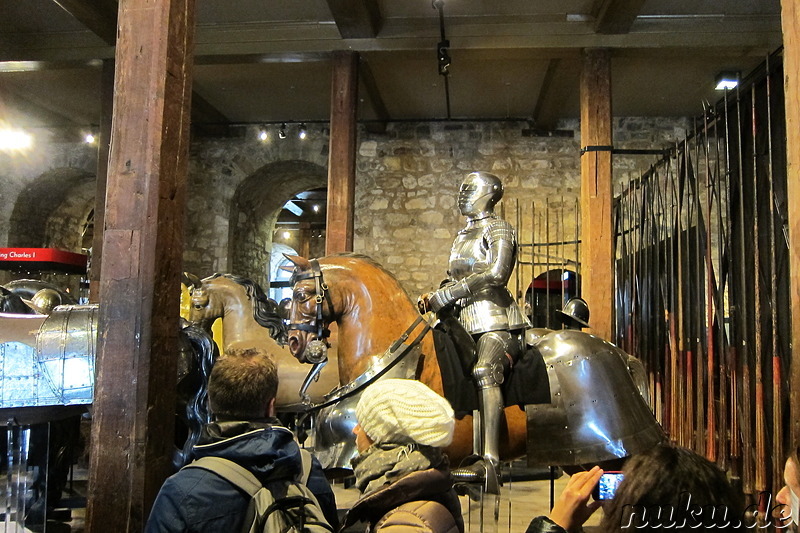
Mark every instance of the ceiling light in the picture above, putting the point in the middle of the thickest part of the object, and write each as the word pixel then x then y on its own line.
pixel 302 133
pixel 727 80
pixel 282 131
pixel 15 140
pixel 89 138
pixel 286 235
pixel 315 207
pixel 263 135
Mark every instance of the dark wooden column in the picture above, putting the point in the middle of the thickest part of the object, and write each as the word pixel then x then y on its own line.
pixel 342 156
pixel 103 149
pixel 790 17
pixel 134 406
pixel 597 243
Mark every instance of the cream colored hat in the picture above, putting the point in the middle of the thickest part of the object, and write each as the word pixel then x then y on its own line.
pixel 403 411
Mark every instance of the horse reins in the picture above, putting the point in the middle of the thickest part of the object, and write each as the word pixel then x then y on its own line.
pixel 390 358
pixel 322 295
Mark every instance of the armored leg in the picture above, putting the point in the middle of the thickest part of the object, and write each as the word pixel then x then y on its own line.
pixel 494 350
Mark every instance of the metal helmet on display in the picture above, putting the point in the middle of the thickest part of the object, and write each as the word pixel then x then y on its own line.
pixel 479 193
pixel 45 300
pixel 576 311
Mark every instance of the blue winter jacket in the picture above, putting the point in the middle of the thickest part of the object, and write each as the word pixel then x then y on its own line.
pixel 198 501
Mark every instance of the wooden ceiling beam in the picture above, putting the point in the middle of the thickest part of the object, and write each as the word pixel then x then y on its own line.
pixel 544 91
pixel 99 16
pixel 301 41
pixel 37 110
pixel 356 19
pixel 375 99
pixel 616 16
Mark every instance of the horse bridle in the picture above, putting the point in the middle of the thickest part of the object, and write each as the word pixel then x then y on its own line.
pixel 322 295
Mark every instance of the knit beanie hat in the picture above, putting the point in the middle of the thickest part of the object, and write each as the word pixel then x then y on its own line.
pixel 404 411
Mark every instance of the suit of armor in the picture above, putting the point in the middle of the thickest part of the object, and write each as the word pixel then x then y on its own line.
pixel 481 262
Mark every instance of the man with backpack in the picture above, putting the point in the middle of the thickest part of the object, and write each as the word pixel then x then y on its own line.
pixel 246 461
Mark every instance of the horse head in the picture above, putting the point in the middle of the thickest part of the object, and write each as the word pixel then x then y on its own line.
pixel 308 331
pixel 200 311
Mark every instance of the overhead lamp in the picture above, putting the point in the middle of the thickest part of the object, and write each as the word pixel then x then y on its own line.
pixel 15 140
pixel 286 235
pixel 282 131
pixel 315 208
pixel 263 135
pixel 89 138
pixel 727 81
pixel 302 133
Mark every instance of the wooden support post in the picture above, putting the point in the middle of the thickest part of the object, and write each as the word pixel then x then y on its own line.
pixel 134 407
pixel 342 156
pixel 790 19
pixel 103 149
pixel 597 239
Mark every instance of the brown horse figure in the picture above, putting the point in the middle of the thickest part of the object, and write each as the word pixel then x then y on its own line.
pixel 372 311
pixel 250 319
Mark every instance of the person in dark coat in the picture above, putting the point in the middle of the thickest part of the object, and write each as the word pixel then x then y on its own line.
pixel 241 392
pixel 402 471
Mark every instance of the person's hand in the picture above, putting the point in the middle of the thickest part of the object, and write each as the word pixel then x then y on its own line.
pixel 573 508
pixel 423 303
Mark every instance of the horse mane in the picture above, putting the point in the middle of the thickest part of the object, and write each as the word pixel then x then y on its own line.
pixel 369 260
pixel 265 309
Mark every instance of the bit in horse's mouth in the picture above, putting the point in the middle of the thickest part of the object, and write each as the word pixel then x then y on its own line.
pixel 294 346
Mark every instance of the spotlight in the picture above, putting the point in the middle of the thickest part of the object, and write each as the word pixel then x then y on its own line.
pixel 263 135
pixel 89 138
pixel 15 140
pixel 315 207
pixel 286 235
pixel 302 133
pixel 727 80
pixel 282 131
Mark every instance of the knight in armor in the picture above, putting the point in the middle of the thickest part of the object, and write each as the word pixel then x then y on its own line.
pixel 481 262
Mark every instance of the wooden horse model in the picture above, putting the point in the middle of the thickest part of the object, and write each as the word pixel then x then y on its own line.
pixel 250 319
pixel 372 310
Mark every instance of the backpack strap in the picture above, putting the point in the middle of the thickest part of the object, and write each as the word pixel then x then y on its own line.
pixel 230 471
pixel 305 455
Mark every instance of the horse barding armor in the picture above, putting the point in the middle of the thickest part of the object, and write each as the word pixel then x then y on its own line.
pixel 597 410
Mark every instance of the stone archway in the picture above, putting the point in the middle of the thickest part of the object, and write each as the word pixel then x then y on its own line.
pixel 255 208
pixel 50 208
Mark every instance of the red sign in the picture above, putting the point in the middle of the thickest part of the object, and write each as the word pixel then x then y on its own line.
pixel 42 259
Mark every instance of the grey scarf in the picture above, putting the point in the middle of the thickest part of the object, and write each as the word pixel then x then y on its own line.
pixel 383 464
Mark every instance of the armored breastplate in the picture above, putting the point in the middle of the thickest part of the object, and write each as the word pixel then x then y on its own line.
pixel 491 306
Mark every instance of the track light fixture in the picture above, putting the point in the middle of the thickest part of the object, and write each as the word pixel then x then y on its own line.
pixel 282 131
pixel 302 134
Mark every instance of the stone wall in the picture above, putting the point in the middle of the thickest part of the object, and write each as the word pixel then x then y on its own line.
pixel 406 187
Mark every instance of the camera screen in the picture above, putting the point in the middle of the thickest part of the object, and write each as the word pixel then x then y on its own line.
pixel 607 486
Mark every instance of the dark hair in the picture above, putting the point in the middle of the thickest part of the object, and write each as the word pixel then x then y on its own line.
pixel 672 487
pixel 242 383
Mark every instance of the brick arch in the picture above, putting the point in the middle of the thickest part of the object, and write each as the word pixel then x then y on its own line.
pixel 48 202
pixel 255 207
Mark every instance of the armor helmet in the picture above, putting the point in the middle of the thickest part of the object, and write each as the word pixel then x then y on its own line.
pixel 479 193
pixel 45 300
pixel 575 314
